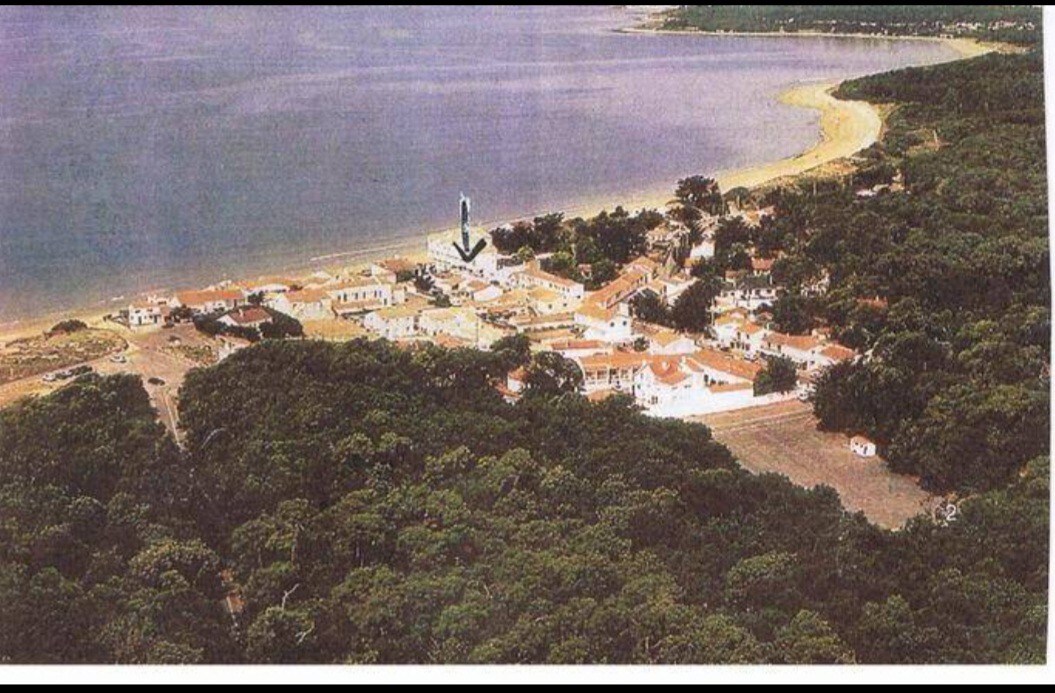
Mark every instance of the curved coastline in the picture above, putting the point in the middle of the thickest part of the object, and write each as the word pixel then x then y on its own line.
pixel 846 127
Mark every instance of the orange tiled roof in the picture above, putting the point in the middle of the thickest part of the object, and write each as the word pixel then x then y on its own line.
pixel 667 372
pixel 541 274
pixel 596 311
pixel 801 342
pixel 666 337
pixel 618 359
pixel 751 328
pixel 627 282
pixel 644 261
pixel 194 298
pixel 838 352
pixel 570 344
pixel 246 316
pixel 307 296
pixel 725 363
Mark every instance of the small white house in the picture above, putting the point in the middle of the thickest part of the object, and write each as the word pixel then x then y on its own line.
pixel 210 300
pixel 397 322
pixel 306 304
pixel 144 314
pixel 862 447
pixel 670 343
pixel 612 325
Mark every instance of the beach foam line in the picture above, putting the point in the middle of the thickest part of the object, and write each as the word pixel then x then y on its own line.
pixel 362 251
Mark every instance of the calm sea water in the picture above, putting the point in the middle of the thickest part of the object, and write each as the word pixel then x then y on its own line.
pixel 145 148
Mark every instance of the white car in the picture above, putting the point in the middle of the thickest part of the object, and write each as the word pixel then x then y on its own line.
pixel 119 358
pixel 49 378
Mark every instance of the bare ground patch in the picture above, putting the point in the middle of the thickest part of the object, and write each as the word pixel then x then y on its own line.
pixel 783 438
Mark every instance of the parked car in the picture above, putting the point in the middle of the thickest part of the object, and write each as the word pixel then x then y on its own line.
pixel 50 377
pixel 119 358
pixel 154 380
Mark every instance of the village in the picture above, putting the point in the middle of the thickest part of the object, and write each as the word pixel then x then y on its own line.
pixel 452 301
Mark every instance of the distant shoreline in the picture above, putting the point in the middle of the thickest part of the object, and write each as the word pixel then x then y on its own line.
pixel 966 47
pixel 846 127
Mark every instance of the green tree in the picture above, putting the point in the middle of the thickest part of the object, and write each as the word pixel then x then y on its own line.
pixel 778 375
pixel 551 374
pixel 702 193
pixel 809 639
pixel 692 309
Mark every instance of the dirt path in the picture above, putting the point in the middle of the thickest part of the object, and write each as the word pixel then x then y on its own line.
pixel 783 438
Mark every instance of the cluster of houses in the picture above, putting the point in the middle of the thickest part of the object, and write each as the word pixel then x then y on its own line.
pixel 492 296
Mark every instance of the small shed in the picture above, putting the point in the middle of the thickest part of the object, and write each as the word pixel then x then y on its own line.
pixel 862 446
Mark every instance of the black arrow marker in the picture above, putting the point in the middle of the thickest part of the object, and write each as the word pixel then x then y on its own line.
pixel 467 254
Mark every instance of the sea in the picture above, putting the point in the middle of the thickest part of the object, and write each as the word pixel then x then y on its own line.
pixel 148 148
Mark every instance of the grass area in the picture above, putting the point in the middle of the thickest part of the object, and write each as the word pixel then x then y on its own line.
pixel 335 330
pixel 783 439
pixel 31 356
pixel 201 354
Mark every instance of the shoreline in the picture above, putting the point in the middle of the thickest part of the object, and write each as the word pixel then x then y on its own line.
pixel 846 127
pixel 965 47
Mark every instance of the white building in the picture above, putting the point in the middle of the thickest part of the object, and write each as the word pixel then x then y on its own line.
pixel 444 253
pixel 749 293
pixel 533 277
pixel 611 372
pixel 612 325
pixel 831 354
pixel 359 294
pixel 479 291
pixel 210 300
pixel 145 314
pixel 267 285
pixel 306 304
pixel 703 382
pixel 675 285
pixel 802 349
pixel 734 331
pixel 704 250
pixel 670 343
pixel 397 322
pixel 578 348
pixel 246 316
pixel 461 323
pixel 862 447
pixel 643 265
pixel 619 289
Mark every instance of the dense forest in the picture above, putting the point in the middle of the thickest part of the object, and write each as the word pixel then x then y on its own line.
pixel 1013 23
pixel 359 503
pixel 937 255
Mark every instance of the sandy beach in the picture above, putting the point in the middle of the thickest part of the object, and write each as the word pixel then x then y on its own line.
pixel 845 128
